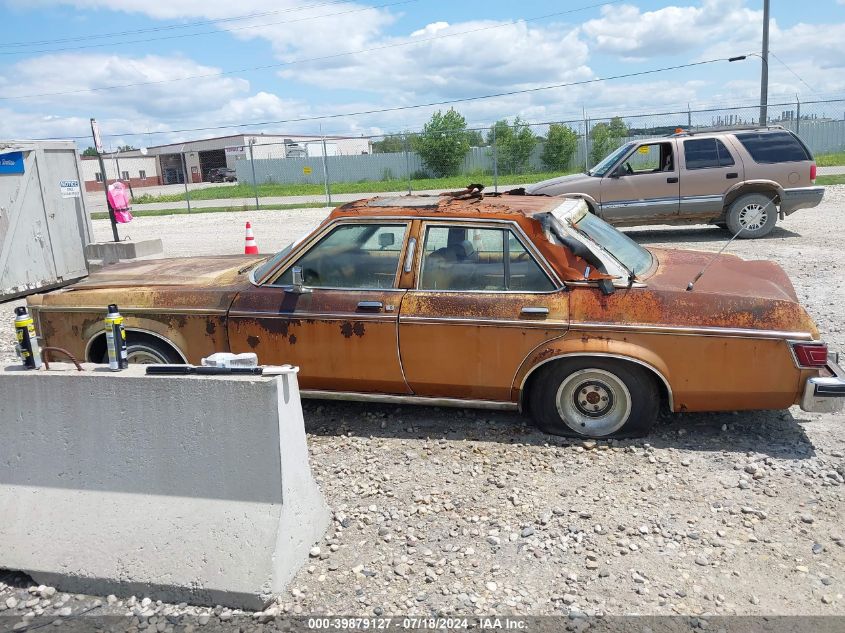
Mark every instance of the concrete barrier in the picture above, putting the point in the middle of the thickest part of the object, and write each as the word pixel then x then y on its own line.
pixel 180 488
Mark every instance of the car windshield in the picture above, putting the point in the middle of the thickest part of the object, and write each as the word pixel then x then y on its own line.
pixel 602 168
pixel 630 254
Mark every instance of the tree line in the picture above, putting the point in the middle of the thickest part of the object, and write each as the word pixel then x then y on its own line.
pixel 445 140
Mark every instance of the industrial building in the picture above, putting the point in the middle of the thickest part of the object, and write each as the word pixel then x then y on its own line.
pixel 170 164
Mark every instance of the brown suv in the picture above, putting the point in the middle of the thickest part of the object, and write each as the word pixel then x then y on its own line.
pixel 740 180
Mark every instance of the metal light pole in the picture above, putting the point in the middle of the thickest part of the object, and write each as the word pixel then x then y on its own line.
pixel 98 145
pixel 185 178
pixel 764 71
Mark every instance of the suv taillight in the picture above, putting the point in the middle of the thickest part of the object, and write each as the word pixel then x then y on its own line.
pixel 810 355
pixel 813 173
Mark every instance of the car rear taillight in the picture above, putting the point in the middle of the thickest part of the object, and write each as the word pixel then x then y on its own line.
pixel 811 355
pixel 813 173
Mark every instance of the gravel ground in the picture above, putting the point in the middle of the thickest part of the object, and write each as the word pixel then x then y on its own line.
pixel 440 511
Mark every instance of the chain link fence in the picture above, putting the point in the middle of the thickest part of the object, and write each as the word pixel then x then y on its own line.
pixel 334 169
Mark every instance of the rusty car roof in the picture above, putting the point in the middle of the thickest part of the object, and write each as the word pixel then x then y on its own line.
pixel 495 206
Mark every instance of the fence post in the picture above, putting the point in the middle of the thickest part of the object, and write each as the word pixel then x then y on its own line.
pixel 586 143
pixel 689 118
pixel 252 166
pixel 407 161
pixel 326 170
pixel 797 114
pixel 185 179
pixel 495 162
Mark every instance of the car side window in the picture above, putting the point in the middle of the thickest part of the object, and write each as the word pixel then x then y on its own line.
pixel 352 256
pixel 463 258
pixel 704 153
pixel 774 147
pixel 650 158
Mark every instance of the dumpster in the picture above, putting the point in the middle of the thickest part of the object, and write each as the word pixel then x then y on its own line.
pixel 44 226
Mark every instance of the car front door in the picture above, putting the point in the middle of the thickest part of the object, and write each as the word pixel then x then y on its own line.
pixel 341 327
pixel 710 169
pixel 481 302
pixel 644 186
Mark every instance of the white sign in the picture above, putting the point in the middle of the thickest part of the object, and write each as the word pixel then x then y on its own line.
pixel 70 188
pixel 95 132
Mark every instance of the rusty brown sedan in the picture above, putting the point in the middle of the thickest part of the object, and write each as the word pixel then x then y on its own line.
pixel 505 301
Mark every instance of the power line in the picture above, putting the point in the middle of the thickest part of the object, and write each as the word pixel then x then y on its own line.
pixel 772 53
pixel 308 59
pixel 421 105
pixel 170 27
pixel 215 32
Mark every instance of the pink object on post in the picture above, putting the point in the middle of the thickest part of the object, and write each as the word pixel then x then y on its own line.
pixel 119 202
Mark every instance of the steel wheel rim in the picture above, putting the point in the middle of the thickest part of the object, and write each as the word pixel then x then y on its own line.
pixel 144 357
pixel 752 217
pixel 593 402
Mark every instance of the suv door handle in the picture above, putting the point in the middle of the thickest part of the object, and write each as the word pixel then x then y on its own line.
pixel 731 175
pixel 535 312
pixel 672 180
pixel 370 305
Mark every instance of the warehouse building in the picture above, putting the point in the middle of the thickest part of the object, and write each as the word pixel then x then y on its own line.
pixel 192 160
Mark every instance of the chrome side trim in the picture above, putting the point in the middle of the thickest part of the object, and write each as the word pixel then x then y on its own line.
pixel 628 204
pixel 133 311
pixel 349 316
pixel 397 399
pixel 602 355
pixel 693 330
pixel 545 324
pixel 142 331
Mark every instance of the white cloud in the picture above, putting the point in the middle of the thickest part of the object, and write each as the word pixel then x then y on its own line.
pixel 625 30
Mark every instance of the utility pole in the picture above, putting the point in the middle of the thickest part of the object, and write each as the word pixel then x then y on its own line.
pixel 764 71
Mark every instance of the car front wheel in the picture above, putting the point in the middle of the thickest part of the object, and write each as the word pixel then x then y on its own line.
pixel 594 398
pixel 755 213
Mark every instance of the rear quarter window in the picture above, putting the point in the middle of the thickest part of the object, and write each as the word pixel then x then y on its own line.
pixel 774 147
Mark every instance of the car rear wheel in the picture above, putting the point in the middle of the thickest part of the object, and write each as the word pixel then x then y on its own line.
pixel 755 213
pixel 595 398
pixel 146 350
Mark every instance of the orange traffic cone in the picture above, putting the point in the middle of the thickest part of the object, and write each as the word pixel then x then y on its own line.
pixel 250 247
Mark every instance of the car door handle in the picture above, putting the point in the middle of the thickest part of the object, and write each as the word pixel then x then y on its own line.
pixel 672 180
pixel 535 312
pixel 731 175
pixel 370 305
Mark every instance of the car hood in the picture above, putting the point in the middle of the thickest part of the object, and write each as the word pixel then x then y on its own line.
pixel 727 274
pixel 732 293
pixel 573 183
pixel 217 271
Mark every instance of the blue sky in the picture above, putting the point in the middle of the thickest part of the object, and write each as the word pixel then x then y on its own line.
pixel 425 55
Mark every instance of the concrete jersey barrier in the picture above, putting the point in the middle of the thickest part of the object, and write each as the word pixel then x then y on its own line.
pixel 180 488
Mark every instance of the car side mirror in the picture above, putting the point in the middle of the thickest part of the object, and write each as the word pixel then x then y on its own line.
pixel 386 239
pixel 298 286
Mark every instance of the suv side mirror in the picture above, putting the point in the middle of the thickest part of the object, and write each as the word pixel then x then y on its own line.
pixel 298 286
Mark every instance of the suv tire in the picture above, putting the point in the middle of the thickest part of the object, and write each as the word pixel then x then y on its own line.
pixel 756 211
pixel 568 396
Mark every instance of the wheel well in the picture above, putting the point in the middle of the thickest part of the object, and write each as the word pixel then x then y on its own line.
pixel 539 370
pixel 766 190
pixel 97 347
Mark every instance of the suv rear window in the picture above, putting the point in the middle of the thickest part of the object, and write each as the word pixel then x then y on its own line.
pixel 774 147
pixel 702 153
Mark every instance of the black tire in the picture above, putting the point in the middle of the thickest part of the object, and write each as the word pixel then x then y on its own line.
pixel 147 350
pixel 562 398
pixel 757 211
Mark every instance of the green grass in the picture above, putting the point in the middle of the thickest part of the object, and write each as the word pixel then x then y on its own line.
pixel 102 215
pixel 837 179
pixel 830 160
pixel 244 190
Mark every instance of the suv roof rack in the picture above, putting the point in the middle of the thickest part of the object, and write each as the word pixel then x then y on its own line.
pixel 741 128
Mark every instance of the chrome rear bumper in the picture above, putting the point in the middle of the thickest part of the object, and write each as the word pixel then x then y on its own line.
pixel 826 394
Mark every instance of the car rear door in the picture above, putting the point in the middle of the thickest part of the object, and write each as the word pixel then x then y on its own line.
pixel 342 331
pixel 644 186
pixel 482 300
pixel 711 167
